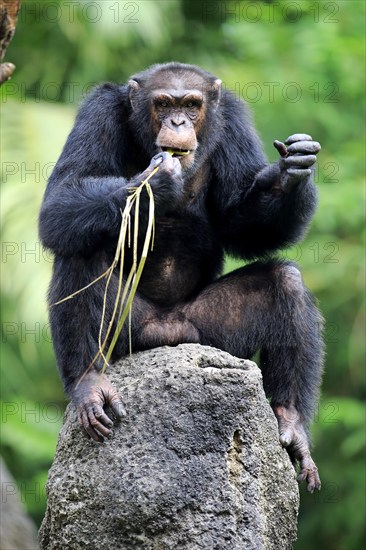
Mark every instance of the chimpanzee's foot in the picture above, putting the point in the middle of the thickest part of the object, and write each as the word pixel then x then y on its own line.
pixel 90 395
pixel 293 437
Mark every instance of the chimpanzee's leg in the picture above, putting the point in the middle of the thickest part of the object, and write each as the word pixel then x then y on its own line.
pixel 266 306
pixel 75 325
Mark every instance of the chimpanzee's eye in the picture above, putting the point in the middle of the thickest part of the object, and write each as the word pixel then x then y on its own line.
pixel 161 103
pixel 193 104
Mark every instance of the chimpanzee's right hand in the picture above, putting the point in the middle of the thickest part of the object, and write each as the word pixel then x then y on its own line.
pixel 90 395
pixel 167 164
pixel 166 183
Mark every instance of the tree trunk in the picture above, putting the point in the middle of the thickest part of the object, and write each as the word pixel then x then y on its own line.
pixel 9 10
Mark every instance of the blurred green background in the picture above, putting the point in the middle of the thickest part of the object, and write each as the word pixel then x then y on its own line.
pixel 299 65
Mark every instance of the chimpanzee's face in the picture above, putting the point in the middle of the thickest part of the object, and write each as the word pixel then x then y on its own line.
pixel 178 106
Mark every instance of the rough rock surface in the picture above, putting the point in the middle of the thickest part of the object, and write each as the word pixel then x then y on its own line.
pixel 195 465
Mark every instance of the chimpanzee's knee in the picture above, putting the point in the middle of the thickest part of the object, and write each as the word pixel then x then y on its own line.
pixel 288 280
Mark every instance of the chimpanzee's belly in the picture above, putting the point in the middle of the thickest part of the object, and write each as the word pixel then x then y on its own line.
pixel 186 257
pixel 170 280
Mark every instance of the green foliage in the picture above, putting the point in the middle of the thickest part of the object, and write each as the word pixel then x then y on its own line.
pixel 336 514
pixel 32 397
pixel 28 439
pixel 299 66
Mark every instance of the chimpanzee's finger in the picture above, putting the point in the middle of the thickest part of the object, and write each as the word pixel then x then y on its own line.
pixel 161 157
pixel 298 137
pixel 301 161
pixel 298 174
pixel 316 478
pixel 102 416
pixel 88 429
pixel 306 147
pixel 95 424
pixel 117 406
pixel 281 147
pixel 156 160
pixel 313 481
pixel 309 472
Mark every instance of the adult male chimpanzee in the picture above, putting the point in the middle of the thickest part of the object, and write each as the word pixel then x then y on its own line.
pixel 220 197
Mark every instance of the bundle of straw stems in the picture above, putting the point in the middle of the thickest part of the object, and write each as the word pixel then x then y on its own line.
pixel 125 291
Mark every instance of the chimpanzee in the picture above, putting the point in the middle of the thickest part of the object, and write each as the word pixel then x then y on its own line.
pixel 215 194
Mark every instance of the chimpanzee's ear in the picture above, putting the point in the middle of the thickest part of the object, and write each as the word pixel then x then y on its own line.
pixel 216 92
pixel 134 87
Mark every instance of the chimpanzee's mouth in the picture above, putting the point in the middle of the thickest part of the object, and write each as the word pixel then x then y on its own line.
pixel 175 151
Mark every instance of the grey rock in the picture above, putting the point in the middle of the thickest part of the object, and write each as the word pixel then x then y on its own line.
pixel 17 530
pixel 195 465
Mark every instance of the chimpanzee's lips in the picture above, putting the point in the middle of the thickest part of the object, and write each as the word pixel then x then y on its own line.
pixel 175 151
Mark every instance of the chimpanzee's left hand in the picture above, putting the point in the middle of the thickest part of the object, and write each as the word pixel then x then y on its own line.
pixel 297 159
pixel 293 436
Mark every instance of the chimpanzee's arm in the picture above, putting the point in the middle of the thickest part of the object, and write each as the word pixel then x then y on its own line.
pixel 82 207
pixel 274 212
pixel 262 207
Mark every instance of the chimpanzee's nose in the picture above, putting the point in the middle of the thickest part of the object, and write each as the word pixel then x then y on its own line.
pixel 178 121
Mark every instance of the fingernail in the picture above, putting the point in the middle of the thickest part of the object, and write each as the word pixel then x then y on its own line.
pixel 120 410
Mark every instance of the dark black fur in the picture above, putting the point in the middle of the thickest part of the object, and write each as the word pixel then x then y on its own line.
pixel 238 209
